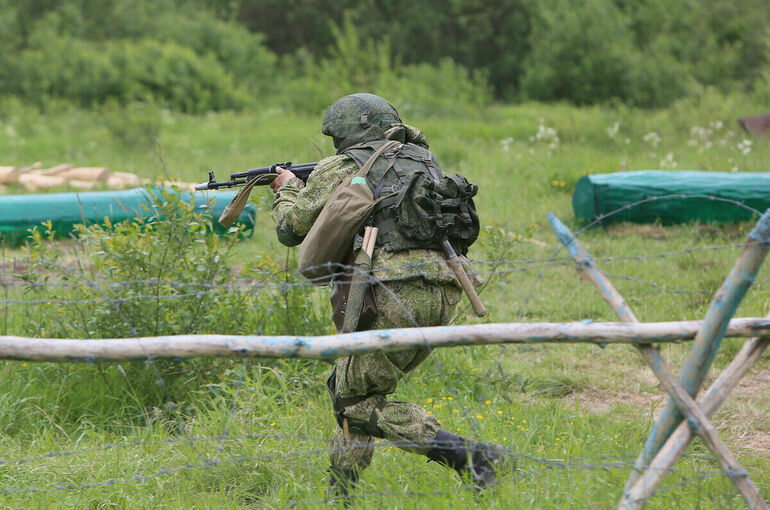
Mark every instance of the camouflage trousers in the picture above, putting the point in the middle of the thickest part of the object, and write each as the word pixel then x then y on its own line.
pixel 376 374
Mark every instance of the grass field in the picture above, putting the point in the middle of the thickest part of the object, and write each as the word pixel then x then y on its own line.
pixel 87 436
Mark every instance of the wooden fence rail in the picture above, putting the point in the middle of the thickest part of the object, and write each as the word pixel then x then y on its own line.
pixel 333 346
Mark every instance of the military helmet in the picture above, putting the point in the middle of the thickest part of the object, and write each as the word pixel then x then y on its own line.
pixel 358 112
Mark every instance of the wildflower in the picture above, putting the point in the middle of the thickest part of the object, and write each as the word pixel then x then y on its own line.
pixel 430 400
pixel 450 398
pixel 745 147
pixel 668 161
pixel 272 424
pixel 487 402
pixel 506 143
pixel 437 406
pixel 455 410
pixel 499 411
pixel 613 130
pixel 479 416
pixel 652 138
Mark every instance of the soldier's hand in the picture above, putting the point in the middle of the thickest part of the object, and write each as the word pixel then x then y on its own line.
pixel 283 176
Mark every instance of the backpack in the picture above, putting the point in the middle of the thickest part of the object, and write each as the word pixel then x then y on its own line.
pixel 330 239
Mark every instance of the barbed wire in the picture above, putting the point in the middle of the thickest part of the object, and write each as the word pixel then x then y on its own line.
pixel 20 280
pixel 84 279
pixel 284 286
pixel 590 463
pixel 675 196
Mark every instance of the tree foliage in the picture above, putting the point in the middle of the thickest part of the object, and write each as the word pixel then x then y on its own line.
pixel 199 55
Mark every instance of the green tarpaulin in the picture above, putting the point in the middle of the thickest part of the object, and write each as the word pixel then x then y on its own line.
pixel 648 196
pixel 19 213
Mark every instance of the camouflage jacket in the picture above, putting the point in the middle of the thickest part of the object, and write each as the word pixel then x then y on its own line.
pixel 297 205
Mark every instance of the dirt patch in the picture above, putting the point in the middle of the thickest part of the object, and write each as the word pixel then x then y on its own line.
pixel 746 414
pixel 645 231
pixel 599 401
pixel 744 419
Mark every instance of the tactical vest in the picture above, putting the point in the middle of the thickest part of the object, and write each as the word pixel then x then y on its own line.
pixel 388 176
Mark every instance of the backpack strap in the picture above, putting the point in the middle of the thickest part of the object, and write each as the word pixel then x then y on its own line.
pixel 364 171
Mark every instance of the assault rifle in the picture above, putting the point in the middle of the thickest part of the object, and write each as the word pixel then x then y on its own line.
pixel 242 178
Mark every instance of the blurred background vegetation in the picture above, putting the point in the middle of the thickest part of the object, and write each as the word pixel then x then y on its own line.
pixel 427 55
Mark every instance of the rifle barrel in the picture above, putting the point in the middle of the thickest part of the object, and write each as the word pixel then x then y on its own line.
pixel 302 171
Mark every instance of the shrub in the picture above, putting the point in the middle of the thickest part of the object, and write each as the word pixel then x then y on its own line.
pixel 89 73
pixel 166 275
pixel 358 64
pixel 580 51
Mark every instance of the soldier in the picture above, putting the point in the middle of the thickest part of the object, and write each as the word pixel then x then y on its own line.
pixel 418 289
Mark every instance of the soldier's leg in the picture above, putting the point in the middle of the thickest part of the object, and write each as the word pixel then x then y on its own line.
pixel 350 454
pixel 363 381
pixel 409 427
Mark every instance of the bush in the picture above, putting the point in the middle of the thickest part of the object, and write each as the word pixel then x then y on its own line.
pixel 647 53
pixel 146 52
pixel 90 73
pixel 581 51
pixel 166 275
pixel 358 64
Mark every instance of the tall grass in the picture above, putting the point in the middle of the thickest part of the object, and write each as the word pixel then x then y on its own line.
pixel 583 405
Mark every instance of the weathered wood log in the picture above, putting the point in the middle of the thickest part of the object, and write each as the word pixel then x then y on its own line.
pixel 36 182
pixel 95 174
pixel 651 355
pixel 55 170
pixel 81 184
pixel 9 175
pixel 645 486
pixel 333 346
pixel 698 362
pixel 123 180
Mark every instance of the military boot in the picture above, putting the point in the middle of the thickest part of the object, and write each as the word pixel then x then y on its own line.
pixel 469 458
pixel 341 482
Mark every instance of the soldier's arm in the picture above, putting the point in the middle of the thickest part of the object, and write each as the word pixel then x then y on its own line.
pixel 297 205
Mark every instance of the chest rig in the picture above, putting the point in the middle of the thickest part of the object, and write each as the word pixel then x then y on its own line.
pixel 386 178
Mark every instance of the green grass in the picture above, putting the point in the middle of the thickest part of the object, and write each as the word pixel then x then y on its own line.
pixel 580 404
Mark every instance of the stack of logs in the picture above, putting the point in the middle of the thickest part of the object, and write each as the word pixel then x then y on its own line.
pixel 36 178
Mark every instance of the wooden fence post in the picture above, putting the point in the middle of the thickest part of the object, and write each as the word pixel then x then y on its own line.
pixel 651 355
pixel 709 338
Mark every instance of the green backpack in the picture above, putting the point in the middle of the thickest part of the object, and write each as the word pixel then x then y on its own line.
pixel 422 204
pixel 426 210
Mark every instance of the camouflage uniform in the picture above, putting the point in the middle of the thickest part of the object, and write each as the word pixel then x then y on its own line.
pixel 404 300
pixel 417 288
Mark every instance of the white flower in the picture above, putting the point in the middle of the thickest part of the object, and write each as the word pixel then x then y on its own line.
pixel 547 135
pixel 505 143
pixel 613 130
pixel 668 161
pixel 744 147
pixel 652 138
